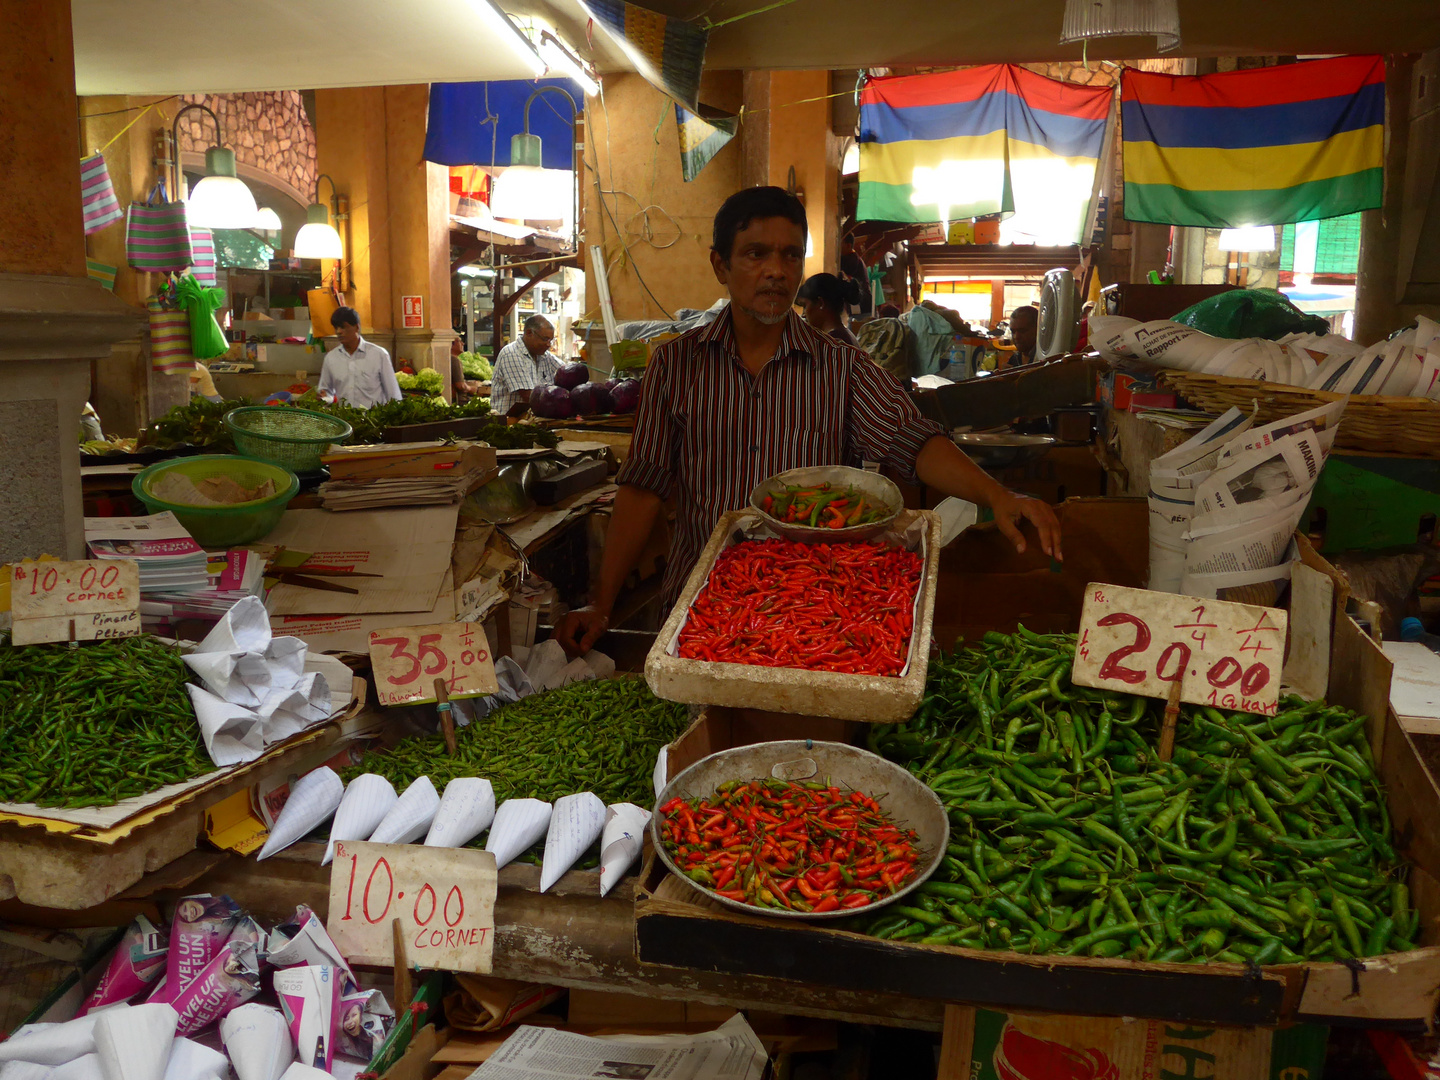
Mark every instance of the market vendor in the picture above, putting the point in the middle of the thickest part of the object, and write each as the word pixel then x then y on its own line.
pixel 757 392
pixel 1024 332
pixel 356 371
pixel 523 365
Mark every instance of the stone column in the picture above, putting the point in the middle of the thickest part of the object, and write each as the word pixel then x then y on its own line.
pixel 53 320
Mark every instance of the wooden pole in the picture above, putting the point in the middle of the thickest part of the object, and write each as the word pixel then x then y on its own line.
pixel 447 717
pixel 1172 714
pixel 404 982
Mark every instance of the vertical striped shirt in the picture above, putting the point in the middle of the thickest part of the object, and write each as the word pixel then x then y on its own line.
pixel 708 431
pixel 515 370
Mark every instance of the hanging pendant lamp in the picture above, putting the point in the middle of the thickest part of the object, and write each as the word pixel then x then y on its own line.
pixel 1087 19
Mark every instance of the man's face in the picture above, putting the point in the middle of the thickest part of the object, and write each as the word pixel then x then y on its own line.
pixel 1023 329
pixel 538 340
pixel 349 336
pixel 765 268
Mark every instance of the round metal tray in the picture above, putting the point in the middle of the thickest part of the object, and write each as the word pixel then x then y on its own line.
pixel 876 489
pixel 909 803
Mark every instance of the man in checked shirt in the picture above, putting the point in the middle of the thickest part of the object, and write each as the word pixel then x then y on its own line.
pixel 757 392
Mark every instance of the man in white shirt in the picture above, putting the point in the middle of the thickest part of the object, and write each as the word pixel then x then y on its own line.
pixel 523 365
pixel 357 371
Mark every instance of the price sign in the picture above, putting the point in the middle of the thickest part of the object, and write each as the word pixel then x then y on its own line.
pixel 87 600
pixel 408 659
pixel 1140 642
pixel 443 897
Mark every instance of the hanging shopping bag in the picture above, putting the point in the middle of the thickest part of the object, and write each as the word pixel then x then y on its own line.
pixel 202 254
pixel 169 338
pixel 100 272
pixel 156 237
pixel 97 195
pixel 199 303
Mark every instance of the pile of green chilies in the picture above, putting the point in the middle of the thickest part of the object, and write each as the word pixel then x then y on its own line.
pixel 1264 840
pixel 91 724
pixel 601 736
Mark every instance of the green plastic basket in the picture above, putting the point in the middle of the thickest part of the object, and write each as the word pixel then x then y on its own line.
pixel 222 526
pixel 294 438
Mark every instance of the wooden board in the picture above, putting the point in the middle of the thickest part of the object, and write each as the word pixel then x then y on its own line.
pixel 1141 642
pixel 407 660
pixel 83 600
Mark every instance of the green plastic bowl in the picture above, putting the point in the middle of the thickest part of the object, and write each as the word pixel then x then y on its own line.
pixel 294 438
pixel 222 526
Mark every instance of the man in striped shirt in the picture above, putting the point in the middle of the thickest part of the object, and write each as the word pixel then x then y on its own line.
pixel 757 392
pixel 523 365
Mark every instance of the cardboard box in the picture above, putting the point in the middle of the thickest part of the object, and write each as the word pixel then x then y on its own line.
pixel 1012 1046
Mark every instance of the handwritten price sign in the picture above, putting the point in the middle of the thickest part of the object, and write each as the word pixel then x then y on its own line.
pixel 443 897
pixel 408 659
pixel 1141 642
pixel 86 600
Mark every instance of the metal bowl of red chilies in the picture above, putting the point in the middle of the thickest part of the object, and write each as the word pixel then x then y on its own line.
pixel 852 491
pixel 908 804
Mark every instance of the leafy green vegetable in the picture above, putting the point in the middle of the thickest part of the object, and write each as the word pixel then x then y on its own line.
pixel 406 380
pixel 476 366
pixel 430 379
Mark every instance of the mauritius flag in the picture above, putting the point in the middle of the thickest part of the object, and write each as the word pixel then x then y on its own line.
pixel 997 139
pixel 1266 146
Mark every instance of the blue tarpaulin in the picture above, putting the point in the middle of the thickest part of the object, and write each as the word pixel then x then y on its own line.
pixel 470 120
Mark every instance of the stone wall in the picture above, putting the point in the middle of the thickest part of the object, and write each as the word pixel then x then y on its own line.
pixel 268 130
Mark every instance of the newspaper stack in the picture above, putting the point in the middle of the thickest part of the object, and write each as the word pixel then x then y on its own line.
pixel 170 560
pixel 231 576
pixel 405 474
pixel 1225 504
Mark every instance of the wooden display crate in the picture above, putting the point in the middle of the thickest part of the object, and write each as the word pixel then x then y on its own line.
pixel 678 926
pixel 875 698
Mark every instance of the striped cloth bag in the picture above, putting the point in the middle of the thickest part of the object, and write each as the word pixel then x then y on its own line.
pixel 156 237
pixel 202 251
pixel 169 338
pixel 100 272
pixel 97 195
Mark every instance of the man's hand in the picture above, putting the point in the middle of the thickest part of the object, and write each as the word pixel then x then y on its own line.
pixel 578 630
pixel 1010 508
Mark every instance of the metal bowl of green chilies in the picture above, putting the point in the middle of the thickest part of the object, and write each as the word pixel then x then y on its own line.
pixel 836 481
pixel 908 803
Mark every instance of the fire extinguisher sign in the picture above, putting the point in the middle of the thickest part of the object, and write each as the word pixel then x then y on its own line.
pixel 412 311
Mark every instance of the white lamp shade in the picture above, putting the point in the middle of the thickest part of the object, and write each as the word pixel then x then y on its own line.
pixel 267 220
pixel 526 193
pixel 317 241
pixel 221 202
pixel 1248 238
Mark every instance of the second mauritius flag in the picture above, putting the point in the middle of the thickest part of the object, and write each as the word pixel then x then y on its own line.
pixel 1266 146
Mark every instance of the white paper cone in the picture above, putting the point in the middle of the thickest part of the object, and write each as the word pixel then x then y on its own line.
pixel 298 1071
pixel 288 712
pixel 82 1068
pixel 232 733
pixel 465 811
pixel 410 817
pixel 135 1044
pixel 191 1061
pixel 241 678
pixel 661 774
pixel 257 1038
pixel 311 946
pixel 575 824
pixel 313 799
pixel 621 841
pixel 25 1070
pixel 51 1044
pixel 286 659
pixel 367 800
pixel 244 628
pixel 518 824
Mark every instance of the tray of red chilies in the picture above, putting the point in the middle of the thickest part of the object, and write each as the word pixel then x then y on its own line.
pixel 800 829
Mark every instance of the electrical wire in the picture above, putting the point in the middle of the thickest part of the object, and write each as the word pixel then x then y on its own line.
pixel 128 108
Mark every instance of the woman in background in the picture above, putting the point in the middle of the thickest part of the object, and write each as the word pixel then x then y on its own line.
pixel 823 298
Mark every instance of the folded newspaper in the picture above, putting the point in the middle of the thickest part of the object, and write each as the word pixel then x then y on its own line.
pixel 1225 504
pixel 730 1052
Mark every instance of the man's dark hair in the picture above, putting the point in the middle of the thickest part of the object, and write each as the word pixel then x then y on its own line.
pixel 1034 313
pixel 534 322
pixel 345 316
pixel 748 205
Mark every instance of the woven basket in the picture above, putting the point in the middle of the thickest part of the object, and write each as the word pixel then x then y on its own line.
pixel 294 438
pixel 1405 426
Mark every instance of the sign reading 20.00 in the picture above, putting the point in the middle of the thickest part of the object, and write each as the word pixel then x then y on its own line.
pixel 1221 653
